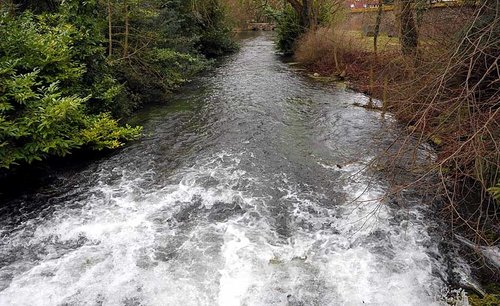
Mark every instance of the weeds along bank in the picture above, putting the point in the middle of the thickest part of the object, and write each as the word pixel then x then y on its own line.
pixel 70 70
pixel 446 90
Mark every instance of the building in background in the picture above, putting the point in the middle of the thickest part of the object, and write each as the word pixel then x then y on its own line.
pixel 359 4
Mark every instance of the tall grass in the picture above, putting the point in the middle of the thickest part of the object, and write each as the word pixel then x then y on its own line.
pixel 329 51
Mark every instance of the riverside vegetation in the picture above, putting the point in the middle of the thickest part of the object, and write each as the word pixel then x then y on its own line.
pixel 69 70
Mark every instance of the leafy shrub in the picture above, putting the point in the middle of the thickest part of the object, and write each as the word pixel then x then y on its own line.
pixel 216 42
pixel 169 44
pixel 43 107
pixel 60 88
pixel 288 30
pixel 177 66
pixel 159 72
pixel 215 39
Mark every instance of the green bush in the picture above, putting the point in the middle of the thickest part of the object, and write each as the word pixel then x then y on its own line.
pixel 43 102
pixel 172 42
pixel 61 85
pixel 200 25
pixel 214 33
pixel 288 30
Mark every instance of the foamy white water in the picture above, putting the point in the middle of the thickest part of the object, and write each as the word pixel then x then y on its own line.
pixel 125 245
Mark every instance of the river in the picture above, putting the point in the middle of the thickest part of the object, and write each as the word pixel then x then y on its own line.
pixel 251 187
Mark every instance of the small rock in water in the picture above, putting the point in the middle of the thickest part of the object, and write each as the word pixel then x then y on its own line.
pixel 275 261
pixel 316 74
pixel 301 258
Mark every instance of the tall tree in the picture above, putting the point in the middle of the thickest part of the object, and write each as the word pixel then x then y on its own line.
pixel 378 21
pixel 110 29
pixel 126 14
pixel 408 28
pixel 306 12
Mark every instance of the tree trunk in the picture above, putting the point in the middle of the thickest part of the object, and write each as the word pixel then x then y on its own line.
pixel 125 43
pixel 110 30
pixel 378 21
pixel 305 10
pixel 408 27
pixel 307 15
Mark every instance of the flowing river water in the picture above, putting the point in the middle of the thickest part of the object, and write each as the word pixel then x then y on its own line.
pixel 249 188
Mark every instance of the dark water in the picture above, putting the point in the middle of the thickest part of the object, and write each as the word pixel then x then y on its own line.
pixel 250 188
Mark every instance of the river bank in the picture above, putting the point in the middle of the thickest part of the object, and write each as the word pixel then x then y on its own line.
pixel 392 83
